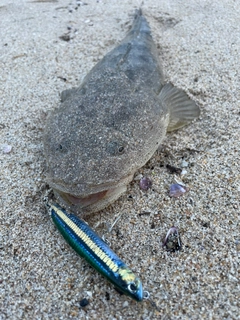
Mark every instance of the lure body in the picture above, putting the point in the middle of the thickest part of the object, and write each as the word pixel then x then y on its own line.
pixel 96 252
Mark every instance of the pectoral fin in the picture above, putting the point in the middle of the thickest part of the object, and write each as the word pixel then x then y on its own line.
pixel 182 109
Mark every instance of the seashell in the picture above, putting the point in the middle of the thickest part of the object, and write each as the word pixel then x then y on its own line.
pixel 177 190
pixel 145 183
pixel 172 241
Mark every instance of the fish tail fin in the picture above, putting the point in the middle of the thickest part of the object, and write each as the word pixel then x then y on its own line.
pixel 182 109
pixel 140 27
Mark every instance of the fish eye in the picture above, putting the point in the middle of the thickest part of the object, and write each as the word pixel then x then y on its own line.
pixel 62 146
pixel 121 149
pixel 132 288
pixel 115 148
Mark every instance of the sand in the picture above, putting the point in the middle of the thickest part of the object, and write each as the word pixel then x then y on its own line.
pixel 41 277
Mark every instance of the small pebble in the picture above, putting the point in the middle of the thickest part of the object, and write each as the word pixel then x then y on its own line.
pixel 145 183
pixel 6 148
pixel 184 164
pixel 138 177
pixel 125 304
pixel 84 302
pixel 173 169
pixel 177 190
pixel 89 293
pixel 65 37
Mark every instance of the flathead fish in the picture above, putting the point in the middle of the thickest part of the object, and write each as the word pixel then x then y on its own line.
pixel 111 125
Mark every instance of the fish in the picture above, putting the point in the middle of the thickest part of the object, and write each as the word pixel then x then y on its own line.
pixel 111 125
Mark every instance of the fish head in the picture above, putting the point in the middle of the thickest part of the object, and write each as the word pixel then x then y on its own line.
pixel 98 138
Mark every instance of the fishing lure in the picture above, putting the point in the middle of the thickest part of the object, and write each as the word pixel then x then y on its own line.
pixel 97 253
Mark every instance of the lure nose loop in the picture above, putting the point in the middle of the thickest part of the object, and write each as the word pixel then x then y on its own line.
pixel 146 295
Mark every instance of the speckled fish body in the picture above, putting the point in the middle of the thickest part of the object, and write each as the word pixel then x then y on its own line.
pixel 97 253
pixel 111 125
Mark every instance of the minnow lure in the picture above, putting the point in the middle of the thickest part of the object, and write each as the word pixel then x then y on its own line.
pixel 96 252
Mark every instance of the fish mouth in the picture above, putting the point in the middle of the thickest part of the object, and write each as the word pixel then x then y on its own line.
pixel 84 201
pixel 91 203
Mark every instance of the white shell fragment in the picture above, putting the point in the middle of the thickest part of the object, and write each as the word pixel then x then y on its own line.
pixel 184 164
pixel 6 148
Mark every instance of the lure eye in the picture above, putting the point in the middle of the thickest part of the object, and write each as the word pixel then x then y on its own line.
pixel 132 288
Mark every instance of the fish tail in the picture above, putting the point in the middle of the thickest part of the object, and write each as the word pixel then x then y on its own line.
pixel 140 27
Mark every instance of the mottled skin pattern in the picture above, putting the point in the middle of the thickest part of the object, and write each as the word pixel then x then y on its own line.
pixel 108 127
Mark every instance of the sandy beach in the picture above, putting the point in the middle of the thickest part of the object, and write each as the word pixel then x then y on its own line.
pixel 49 46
